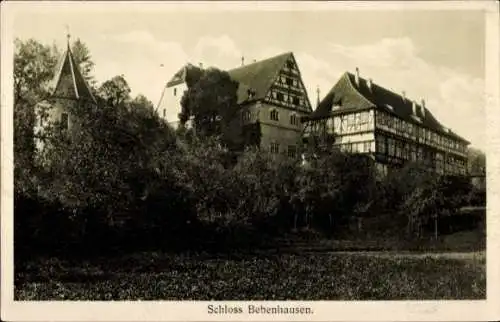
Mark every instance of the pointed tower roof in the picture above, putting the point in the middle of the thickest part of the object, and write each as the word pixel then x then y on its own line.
pixel 69 82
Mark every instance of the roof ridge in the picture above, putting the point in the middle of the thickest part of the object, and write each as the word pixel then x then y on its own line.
pixel 260 61
pixel 72 60
pixel 72 69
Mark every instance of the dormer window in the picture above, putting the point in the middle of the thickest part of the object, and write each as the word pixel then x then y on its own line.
pixel 251 93
pixel 273 115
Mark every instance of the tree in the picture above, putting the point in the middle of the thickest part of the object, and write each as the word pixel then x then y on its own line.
pixel 115 91
pixel 82 56
pixel 212 103
pixel 476 161
pixel 34 65
pixel 141 102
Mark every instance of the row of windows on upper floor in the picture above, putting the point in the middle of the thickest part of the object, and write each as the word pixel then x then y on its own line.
pixel 273 116
pixel 363 121
pixel 410 130
pixel 410 151
pixel 288 98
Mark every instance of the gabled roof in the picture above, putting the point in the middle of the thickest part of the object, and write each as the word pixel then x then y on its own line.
pixel 350 96
pixel 69 81
pixel 258 76
pixel 182 75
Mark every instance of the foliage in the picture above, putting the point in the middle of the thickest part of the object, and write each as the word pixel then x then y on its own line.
pixel 115 91
pixel 306 276
pixel 476 161
pixel 211 101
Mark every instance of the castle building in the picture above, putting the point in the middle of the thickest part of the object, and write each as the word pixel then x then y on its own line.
pixel 270 93
pixel 362 117
pixel 68 90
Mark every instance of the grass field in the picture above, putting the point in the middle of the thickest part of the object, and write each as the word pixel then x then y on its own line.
pixel 306 276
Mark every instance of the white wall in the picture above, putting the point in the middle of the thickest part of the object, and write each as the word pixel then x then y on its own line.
pixel 170 103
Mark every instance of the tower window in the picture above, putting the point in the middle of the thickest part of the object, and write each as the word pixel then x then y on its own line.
pixel 64 121
pixel 274 116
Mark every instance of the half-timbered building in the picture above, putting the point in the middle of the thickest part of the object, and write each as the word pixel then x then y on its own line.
pixel 270 93
pixel 360 116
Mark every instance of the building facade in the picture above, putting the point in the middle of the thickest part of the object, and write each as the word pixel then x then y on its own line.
pixel 69 90
pixel 362 117
pixel 270 93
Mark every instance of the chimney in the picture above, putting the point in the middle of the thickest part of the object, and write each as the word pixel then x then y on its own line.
pixel 356 79
pixel 414 108
pixel 201 65
pixel 369 84
pixel 404 96
pixel 242 60
pixel 423 109
pixel 317 92
pixel 255 60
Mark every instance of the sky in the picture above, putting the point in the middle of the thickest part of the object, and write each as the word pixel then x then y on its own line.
pixel 433 55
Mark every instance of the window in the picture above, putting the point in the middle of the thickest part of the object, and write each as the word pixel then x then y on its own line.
pixel 245 116
pixel 296 101
pixel 413 152
pixel 274 115
pixel 381 145
pixel 290 64
pixel 391 147
pixel 292 151
pixel 294 119
pixel 289 81
pixel 64 121
pixel 175 91
pixel 279 96
pixel 275 148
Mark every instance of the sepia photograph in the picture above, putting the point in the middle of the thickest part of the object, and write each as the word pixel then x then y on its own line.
pixel 273 154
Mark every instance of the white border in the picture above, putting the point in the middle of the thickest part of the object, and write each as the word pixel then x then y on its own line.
pixel 197 311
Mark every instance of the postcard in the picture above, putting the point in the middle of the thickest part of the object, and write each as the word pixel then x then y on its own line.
pixel 230 161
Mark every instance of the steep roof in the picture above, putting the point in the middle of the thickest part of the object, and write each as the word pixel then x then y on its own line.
pixel 69 81
pixel 258 76
pixel 182 75
pixel 351 96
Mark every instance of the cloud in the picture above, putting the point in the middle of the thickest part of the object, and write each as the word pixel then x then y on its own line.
pixel 220 51
pixel 455 98
pixel 146 62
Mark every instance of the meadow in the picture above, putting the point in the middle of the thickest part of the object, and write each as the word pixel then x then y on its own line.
pixel 305 274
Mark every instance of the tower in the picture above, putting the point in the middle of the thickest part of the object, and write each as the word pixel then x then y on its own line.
pixel 68 90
